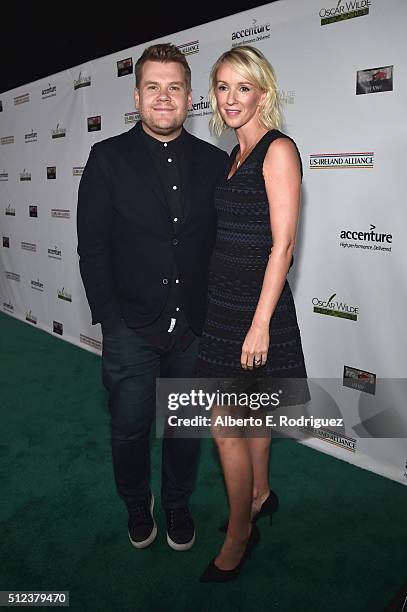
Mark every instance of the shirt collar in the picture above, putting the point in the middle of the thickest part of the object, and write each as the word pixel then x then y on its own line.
pixel 157 146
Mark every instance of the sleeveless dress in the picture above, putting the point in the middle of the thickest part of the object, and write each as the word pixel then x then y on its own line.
pixel 238 264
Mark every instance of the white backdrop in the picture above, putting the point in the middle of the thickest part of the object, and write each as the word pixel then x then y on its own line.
pixel 353 152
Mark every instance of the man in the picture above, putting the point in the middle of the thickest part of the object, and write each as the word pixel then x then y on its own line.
pixel 146 225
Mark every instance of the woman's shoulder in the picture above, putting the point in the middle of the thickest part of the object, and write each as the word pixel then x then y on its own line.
pixel 281 146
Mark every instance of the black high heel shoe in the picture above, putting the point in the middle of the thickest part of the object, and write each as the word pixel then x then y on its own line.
pixel 268 507
pixel 213 573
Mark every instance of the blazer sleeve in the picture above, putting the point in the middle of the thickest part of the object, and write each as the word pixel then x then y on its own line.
pixel 94 227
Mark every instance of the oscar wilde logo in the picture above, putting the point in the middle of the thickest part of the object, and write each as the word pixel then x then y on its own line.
pixel 59 132
pixel 5 140
pixel 6 242
pixel 64 295
pixel 82 81
pixel 37 285
pixel 33 211
pixel 49 92
pixel 132 117
pixel 55 253
pixel 31 318
pixel 10 211
pixel 77 170
pixel 21 99
pixel 200 109
pixel 344 10
pixel 366 240
pixel 189 48
pixel 335 308
pixel 328 161
pixel 3 175
pixel 124 66
pixel 31 137
pixel 251 34
pixel 25 176
pixel 286 97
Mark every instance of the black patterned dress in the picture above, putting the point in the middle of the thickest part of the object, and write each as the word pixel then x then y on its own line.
pixel 239 261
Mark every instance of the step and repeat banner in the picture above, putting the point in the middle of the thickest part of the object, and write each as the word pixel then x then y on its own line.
pixel 342 74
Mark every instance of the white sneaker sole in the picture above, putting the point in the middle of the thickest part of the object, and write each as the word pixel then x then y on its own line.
pixel 180 547
pixel 153 534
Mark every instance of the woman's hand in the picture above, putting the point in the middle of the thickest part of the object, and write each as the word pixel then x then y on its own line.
pixel 255 347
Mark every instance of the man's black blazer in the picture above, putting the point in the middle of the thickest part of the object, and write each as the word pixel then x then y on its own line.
pixel 125 232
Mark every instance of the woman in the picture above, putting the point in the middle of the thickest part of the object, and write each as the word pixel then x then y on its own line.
pixel 251 332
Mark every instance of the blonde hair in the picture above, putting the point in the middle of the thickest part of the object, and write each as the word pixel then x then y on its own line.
pixel 254 67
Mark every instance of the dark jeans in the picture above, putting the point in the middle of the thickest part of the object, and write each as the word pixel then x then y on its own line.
pixel 130 368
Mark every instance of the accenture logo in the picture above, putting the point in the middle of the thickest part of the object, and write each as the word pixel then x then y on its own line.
pixel 31 137
pixel 251 34
pixel 55 253
pixel 201 108
pixel 367 240
pixel 3 175
pixel 5 140
pixel 49 92
pixel 37 285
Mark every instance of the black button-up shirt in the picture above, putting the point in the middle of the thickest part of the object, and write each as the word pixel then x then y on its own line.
pixel 171 325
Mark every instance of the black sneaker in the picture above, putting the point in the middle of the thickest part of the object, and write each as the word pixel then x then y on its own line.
pixel 180 528
pixel 142 526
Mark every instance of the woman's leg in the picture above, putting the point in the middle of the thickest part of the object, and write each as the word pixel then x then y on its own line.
pixel 259 449
pixel 238 473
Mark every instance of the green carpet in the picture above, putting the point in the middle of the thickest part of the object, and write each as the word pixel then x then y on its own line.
pixel 338 541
